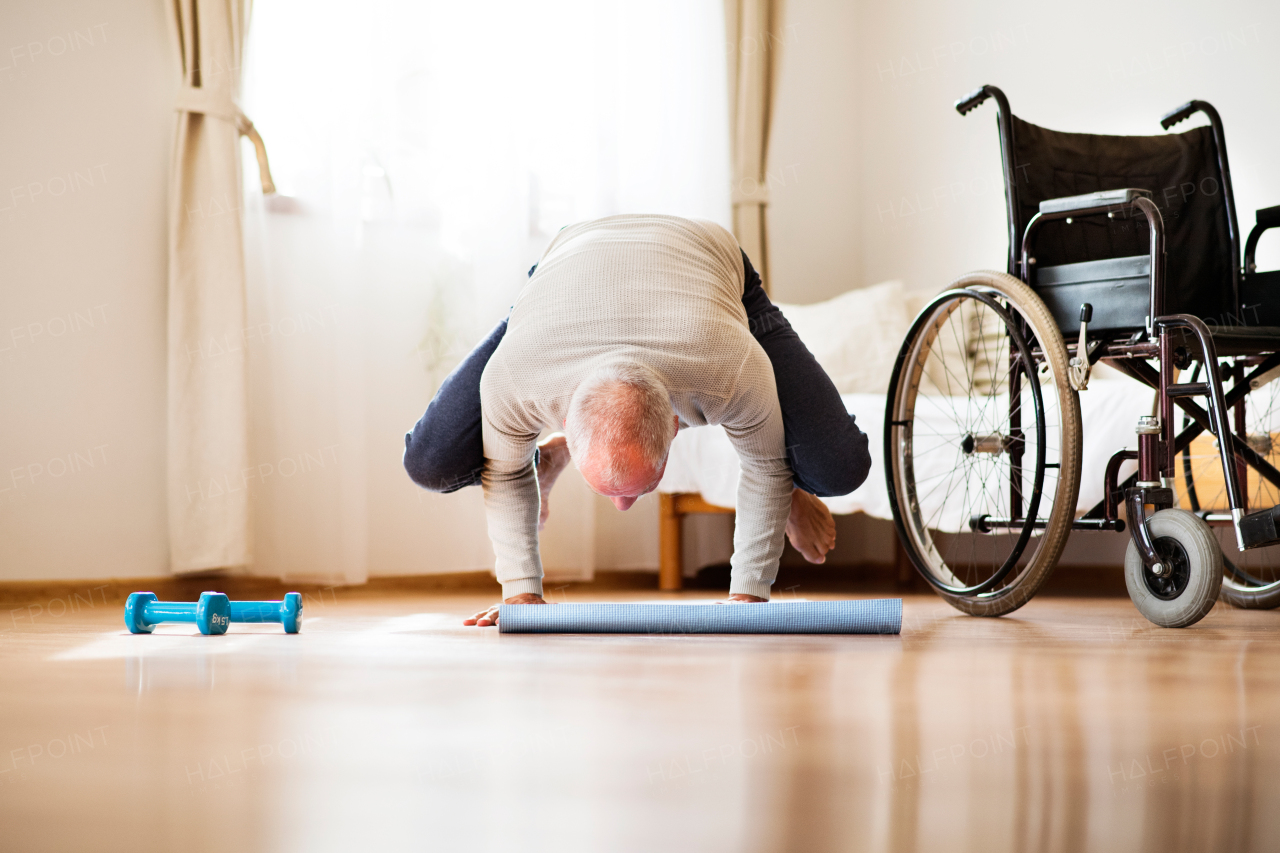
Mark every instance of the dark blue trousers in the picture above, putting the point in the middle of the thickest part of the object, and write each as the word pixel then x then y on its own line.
pixel 826 450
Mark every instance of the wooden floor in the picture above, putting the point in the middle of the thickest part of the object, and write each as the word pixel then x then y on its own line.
pixel 1072 725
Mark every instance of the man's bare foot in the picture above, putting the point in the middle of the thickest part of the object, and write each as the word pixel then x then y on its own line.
pixel 553 458
pixel 489 616
pixel 810 527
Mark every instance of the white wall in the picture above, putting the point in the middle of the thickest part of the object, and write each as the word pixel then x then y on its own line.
pixel 85 93
pixel 892 183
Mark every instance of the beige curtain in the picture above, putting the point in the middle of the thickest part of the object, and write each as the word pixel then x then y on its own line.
pixel 748 29
pixel 209 523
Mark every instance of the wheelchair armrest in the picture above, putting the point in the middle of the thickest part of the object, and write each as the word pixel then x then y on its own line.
pixel 1267 217
pixel 1105 198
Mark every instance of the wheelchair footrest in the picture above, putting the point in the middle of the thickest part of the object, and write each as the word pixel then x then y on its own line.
pixel 1260 528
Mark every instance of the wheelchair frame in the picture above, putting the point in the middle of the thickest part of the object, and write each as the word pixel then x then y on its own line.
pixel 1167 338
pixel 1158 445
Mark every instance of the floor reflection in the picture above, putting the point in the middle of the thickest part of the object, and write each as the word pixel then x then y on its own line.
pixel 1067 727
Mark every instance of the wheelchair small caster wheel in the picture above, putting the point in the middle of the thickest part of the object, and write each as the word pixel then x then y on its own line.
pixel 1187 587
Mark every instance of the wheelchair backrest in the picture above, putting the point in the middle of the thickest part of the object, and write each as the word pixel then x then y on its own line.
pixel 1180 170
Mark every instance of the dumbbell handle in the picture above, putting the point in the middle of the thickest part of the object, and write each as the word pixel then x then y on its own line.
pixel 257 611
pixel 211 614
pixel 288 612
pixel 156 612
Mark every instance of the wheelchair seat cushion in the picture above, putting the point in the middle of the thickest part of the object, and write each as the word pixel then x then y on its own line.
pixel 1241 340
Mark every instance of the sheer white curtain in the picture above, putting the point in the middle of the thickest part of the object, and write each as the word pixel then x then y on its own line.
pixel 425 153
pixel 749 26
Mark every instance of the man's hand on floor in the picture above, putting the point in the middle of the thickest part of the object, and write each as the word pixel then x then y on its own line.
pixel 742 598
pixel 488 617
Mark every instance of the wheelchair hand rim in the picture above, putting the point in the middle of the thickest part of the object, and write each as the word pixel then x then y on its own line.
pixel 893 425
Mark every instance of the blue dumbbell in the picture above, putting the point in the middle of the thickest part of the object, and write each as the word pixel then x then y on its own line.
pixel 211 614
pixel 287 612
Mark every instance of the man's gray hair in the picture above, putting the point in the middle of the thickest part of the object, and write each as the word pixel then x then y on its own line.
pixel 619 404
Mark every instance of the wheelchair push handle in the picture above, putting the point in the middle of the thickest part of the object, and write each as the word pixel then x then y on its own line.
pixel 973 100
pixel 1181 114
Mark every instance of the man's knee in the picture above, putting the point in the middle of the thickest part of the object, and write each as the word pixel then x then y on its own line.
pixel 434 468
pixel 854 466
pixel 844 467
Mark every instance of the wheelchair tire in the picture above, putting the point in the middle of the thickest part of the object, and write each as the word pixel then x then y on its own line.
pixel 1188 594
pixel 1246 596
pixel 979 574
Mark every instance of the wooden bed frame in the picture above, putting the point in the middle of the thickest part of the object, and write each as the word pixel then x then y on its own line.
pixel 672 509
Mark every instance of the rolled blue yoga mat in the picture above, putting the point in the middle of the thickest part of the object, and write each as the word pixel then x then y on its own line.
pixel 875 616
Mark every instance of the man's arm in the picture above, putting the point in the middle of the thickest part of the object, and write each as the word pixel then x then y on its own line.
pixel 755 428
pixel 510 484
pixel 511 505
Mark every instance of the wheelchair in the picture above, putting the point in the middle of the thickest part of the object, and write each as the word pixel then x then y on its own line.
pixel 1122 250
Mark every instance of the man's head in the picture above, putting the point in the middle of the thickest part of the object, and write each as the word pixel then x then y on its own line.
pixel 619 428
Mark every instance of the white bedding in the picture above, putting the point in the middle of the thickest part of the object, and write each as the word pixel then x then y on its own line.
pixel 703 461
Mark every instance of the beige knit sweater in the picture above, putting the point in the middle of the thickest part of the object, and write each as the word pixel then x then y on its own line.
pixel 662 291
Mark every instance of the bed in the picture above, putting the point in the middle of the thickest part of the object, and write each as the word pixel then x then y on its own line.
pixel 702 471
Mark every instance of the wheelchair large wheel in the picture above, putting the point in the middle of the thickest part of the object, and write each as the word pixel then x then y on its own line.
pixel 982 444
pixel 1250 579
pixel 1188 548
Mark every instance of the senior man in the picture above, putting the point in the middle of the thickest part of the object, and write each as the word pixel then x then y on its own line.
pixel 629 329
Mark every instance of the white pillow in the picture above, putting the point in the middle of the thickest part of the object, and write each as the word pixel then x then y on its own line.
pixel 855 336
